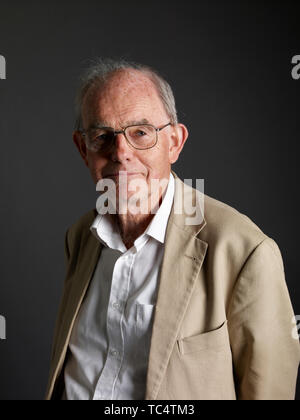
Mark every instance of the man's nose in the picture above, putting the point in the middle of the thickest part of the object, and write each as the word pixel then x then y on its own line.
pixel 121 149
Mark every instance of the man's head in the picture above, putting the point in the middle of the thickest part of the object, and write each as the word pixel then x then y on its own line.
pixel 118 95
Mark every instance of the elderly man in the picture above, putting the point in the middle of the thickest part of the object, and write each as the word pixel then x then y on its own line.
pixel 156 307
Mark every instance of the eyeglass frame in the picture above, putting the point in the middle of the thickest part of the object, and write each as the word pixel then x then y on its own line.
pixel 123 131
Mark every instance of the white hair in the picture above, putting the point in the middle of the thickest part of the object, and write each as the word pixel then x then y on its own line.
pixel 101 71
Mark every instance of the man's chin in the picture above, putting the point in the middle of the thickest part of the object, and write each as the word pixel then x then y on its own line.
pixel 132 204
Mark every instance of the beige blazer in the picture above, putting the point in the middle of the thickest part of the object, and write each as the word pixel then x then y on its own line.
pixel 223 321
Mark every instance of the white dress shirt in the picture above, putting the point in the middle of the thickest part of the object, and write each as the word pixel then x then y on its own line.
pixel 110 341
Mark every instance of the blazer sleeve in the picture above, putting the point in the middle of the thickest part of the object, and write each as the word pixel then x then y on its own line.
pixel 260 321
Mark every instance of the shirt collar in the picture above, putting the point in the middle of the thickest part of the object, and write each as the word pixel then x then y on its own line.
pixel 158 225
pixel 107 232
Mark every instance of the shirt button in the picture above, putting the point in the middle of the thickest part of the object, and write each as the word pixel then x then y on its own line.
pixel 114 353
pixel 116 305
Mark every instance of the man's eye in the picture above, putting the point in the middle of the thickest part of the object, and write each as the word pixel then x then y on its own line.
pixel 140 133
pixel 102 137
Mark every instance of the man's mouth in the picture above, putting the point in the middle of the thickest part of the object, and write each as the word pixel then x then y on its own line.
pixel 115 175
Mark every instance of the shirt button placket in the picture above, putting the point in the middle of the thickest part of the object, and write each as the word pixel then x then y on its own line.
pixel 120 290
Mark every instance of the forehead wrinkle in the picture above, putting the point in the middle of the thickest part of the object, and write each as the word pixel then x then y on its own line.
pixel 121 93
pixel 103 124
pixel 109 115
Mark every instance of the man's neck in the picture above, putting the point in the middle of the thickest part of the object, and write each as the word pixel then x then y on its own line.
pixel 132 226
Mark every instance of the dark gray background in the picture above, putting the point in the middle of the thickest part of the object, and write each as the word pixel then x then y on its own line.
pixel 230 66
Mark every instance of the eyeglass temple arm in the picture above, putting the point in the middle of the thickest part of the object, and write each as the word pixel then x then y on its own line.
pixel 161 128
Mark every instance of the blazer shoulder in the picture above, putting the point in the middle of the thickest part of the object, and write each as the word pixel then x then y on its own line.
pixel 81 227
pixel 226 222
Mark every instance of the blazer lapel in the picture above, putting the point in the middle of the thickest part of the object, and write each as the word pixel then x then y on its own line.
pixel 79 282
pixel 183 258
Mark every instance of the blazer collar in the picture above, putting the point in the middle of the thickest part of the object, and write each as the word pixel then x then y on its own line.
pixel 186 198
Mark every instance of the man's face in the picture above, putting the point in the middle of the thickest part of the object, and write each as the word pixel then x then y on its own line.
pixel 129 98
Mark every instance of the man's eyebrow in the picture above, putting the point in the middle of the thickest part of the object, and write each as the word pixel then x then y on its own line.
pixel 98 124
pixel 137 122
pixel 104 124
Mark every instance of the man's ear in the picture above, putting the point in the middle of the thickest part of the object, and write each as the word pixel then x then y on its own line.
pixel 81 146
pixel 178 138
